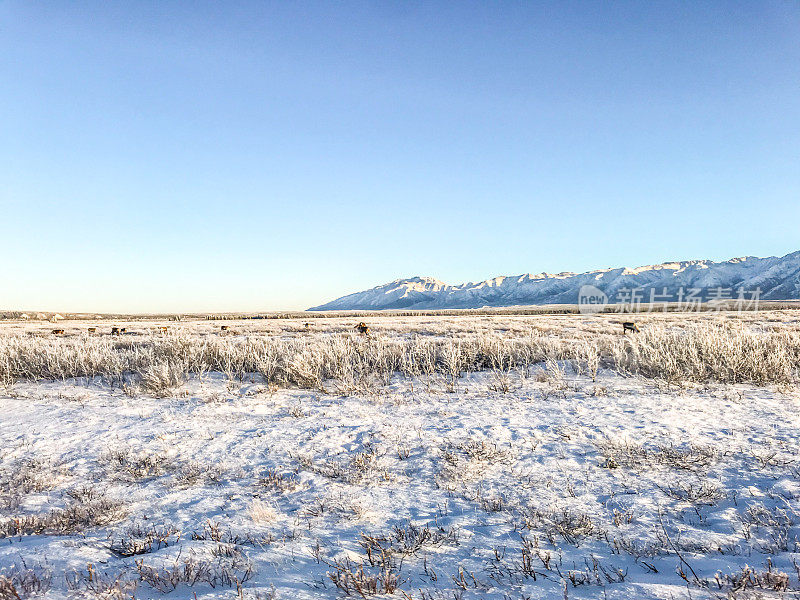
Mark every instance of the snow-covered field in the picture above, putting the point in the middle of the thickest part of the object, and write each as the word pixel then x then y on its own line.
pixel 538 480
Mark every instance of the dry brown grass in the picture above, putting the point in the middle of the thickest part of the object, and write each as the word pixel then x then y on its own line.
pixel 73 519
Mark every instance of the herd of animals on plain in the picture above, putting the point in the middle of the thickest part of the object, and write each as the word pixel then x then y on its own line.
pixel 362 328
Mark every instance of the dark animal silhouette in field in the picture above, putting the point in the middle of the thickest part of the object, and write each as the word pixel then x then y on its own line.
pixel 362 328
pixel 92 329
pixel 58 332
pixel 163 329
pixel 223 328
pixel 630 326
pixel 115 331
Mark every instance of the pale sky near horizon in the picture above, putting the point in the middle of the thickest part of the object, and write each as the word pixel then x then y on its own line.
pixel 176 156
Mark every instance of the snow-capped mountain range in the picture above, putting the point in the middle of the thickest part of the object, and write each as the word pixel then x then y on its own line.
pixel 773 278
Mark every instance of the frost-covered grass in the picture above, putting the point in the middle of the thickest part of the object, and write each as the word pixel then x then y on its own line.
pixel 513 457
pixel 676 348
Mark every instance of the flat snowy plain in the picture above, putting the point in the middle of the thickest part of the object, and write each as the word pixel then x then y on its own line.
pixel 537 481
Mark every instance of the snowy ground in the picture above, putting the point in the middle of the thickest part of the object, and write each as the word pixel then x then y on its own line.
pixel 544 484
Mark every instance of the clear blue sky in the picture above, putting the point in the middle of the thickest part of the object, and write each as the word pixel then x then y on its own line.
pixel 166 156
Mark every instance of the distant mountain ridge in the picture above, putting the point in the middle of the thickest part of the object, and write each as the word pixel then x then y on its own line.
pixel 775 278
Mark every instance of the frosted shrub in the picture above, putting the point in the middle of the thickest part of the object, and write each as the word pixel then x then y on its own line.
pixel 304 369
pixel 158 378
pixel 706 352
pixel 589 358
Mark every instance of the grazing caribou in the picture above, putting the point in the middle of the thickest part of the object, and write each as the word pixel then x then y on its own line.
pixel 115 331
pixel 362 328
pixel 92 329
pixel 163 329
pixel 58 332
pixel 223 328
pixel 629 326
